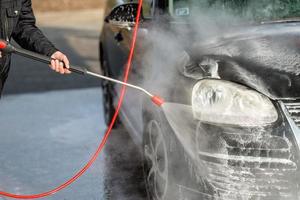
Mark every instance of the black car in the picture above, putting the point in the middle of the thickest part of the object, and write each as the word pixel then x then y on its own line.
pixel 229 72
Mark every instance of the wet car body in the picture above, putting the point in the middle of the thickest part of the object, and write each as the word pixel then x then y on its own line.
pixel 213 160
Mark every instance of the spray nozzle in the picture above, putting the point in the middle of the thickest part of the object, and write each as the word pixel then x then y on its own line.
pixel 158 100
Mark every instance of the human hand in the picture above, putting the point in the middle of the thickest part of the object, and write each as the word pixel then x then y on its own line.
pixel 58 58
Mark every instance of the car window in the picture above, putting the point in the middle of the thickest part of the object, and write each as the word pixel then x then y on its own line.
pixel 258 10
pixel 148 8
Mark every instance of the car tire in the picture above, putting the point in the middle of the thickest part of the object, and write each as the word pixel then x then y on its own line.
pixel 107 92
pixel 158 159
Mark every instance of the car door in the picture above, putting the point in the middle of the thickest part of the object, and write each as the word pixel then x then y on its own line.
pixel 121 38
pixel 132 105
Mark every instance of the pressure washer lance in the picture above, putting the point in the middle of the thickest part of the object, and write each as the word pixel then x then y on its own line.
pixel 6 47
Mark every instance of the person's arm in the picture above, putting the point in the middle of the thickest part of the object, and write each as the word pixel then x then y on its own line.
pixel 30 37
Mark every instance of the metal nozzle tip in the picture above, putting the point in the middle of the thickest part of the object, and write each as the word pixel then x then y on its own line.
pixel 157 100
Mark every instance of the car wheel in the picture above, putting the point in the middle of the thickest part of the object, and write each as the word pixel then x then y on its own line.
pixel 158 158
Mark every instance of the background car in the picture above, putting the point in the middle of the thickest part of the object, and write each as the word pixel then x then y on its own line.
pixel 229 71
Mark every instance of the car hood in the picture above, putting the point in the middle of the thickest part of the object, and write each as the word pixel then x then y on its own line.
pixel 265 58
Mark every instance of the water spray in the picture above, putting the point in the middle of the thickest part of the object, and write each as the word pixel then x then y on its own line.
pixel 7 47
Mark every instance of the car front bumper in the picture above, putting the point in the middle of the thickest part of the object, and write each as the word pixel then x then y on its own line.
pixel 237 162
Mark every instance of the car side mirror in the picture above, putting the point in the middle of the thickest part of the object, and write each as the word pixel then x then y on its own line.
pixel 123 15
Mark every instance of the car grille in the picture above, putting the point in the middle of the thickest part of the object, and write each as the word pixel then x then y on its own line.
pixel 251 166
pixel 293 108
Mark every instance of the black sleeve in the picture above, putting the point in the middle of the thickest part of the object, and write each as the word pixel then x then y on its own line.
pixel 28 36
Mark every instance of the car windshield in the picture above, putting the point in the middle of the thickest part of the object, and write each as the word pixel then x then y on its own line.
pixel 254 10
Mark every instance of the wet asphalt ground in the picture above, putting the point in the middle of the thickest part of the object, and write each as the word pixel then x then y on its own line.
pixel 52 124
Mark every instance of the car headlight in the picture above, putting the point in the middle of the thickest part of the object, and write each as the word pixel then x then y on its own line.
pixel 224 102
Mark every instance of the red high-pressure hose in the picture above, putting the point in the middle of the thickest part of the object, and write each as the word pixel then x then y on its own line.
pixel 108 131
